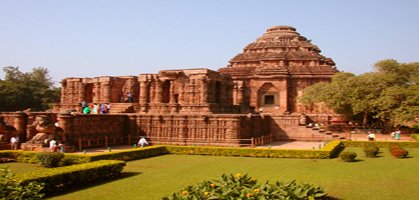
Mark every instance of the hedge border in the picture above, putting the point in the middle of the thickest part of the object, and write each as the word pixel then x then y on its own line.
pixel 415 137
pixel 381 144
pixel 61 178
pixel 330 150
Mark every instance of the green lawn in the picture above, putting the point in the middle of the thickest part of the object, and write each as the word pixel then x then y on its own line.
pixel 369 178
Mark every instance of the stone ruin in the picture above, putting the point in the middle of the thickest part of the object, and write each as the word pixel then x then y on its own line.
pixel 255 95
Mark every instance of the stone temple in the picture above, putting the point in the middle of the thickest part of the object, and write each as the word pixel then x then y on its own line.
pixel 270 74
pixel 254 96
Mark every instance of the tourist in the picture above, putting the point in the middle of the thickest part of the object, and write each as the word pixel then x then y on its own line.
pixel 86 110
pixel 62 147
pixel 142 142
pixel 52 145
pixel 371 136
pixel 108 108
pixel 84 104
pixel 14 142
pixel 129 97
pixel 95 109
pixel 397 135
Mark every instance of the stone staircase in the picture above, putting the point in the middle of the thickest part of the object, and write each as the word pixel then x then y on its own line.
pixel 121 108
pixel 302 133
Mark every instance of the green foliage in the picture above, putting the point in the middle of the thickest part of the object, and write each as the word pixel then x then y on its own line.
pixel 348 156
pixel 388 97
pixel 371 150
pixel 8 156
pixel 244 187
pixel 58 179
pixel 50 159
pixel 381 144
pixel 332 149
pixel 11 189
pixel 20 91
pixel 398 152
pixel 415 137
pixel 130 154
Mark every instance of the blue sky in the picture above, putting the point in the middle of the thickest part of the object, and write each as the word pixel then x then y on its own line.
pixel 90 38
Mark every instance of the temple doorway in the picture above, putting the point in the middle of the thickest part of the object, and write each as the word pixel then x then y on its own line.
pixel 268 96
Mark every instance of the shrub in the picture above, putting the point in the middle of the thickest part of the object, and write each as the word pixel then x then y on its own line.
pixel 371 151
pixel 11 189
pixel 61 178
pixel 398 152
pixel 381 144
pixel 50 159
pixel 348 156
pixel 244 187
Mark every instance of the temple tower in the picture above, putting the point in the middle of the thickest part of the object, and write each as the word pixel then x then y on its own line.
pixel 271 72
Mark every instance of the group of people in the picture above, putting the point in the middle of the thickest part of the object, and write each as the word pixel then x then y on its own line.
pixel 394 135
pixel 53 146
pixel 95 108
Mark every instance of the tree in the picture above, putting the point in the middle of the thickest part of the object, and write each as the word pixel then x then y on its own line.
pixel 388 96
pixel 21 90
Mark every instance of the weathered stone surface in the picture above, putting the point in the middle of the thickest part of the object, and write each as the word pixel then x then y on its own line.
pixel 276 68
pixel 255 95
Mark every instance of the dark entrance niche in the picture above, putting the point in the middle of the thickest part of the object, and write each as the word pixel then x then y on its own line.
pixel 217 92
pixel 166 92
pixel 269 99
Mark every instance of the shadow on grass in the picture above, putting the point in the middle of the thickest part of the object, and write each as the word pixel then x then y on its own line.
pixel 358 160
pixel 77 188
pixel 331 198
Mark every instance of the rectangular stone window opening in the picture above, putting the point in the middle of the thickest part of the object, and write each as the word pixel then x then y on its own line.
pixel 269 99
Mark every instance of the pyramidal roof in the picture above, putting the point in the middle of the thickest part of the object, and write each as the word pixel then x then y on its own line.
pixel 281 50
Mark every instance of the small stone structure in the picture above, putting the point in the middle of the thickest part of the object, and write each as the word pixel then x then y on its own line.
pixel 256 95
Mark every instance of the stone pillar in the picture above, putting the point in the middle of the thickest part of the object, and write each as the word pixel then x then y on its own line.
pixel 65 121
pixel 96 93
pixel 204 90
pixel 172 92
pixel 240 87
pixel 106 92
pixel 142 100
pixel 143 96
pixel 20 123
pixel 81 90
pixel 184 132
pixel 158 91
pixel 233 130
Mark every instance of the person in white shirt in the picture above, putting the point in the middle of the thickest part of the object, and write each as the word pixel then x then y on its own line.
pixel 52 145
pixel 13 142
pixel 371 136
pixel 142 142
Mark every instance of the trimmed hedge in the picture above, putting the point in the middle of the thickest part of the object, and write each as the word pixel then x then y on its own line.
pixel 332 149
pixel 130 154
pixel 415 137
pixel 61 178
pixel 71 158
pixel 381 144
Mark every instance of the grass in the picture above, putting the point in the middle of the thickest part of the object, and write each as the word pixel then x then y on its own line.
pixel 21 167
pixel 369 178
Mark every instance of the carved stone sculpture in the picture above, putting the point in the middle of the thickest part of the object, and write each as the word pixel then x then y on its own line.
pixel 43 130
